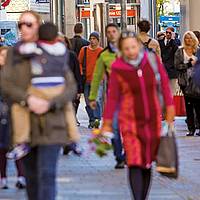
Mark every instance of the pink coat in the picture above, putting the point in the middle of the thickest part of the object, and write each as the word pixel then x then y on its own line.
pixel 140 110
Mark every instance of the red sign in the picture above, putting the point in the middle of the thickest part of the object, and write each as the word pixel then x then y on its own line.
pixel 112 13
pixel 5 3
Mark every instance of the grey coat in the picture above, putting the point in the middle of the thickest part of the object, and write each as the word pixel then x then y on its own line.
pixel 16 77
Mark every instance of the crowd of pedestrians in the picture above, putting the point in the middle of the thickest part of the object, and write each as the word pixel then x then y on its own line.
pixel 46 72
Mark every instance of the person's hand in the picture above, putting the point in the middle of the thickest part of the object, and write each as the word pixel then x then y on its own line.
pixel 170 114
pixel 93 104
pixel 37 105
pixel 193 62
pixel 107 126
pixel 78 96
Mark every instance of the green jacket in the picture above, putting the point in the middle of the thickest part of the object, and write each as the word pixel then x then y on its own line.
pixel 102 68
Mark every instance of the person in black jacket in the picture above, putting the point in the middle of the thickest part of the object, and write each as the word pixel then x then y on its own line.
pixel 75 68
pixel 168 48
pixel 78 41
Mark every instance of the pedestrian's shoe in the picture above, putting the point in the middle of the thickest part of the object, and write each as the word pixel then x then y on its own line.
pixel 66 150
pixel 96 123
pixel 120 165
pixel 191 133
pixel 77 122
pixel 21 184
pixel 18 152
pixel 91 125
pixel 198 134
pixel 77 151
pixel 4 184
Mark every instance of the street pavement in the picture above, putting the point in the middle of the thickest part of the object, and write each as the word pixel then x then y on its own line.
pixel 92 178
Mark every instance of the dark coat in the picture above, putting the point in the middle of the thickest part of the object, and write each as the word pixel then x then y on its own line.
pixel 196 75
pixel 167 54
pixel 5 125
pixel 4 122
pixel 75 68
pixel 16 77
pixel 181 68
pixel 185 81
pixel 77 43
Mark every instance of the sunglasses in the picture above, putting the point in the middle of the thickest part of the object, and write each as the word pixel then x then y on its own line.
pixel 168 32
pixel 27 24
pixel 126 34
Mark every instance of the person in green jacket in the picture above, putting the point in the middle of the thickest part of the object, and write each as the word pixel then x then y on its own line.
pixel 102 69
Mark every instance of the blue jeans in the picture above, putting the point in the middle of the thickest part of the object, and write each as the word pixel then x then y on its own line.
pixel 92 114
pixel 40 172
pixel 116 141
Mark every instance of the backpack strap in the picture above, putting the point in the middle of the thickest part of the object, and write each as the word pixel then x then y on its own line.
pixel 146 44
pixel 154 65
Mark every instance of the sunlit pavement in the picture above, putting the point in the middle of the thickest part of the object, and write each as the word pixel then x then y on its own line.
pixel 91 178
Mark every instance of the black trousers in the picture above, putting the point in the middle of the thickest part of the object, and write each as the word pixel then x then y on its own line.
pixel 140 180
pixel 192 107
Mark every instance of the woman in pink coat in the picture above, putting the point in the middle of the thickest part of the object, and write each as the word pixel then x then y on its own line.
pixel 133 86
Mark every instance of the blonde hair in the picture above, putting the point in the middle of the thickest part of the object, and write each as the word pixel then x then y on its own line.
pixel 194 39
pixel 35 14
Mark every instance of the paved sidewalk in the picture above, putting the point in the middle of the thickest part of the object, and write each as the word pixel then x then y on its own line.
pixel 91 178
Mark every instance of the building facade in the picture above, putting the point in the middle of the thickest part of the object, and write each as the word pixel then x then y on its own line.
pixel 16 7
pixel 189 15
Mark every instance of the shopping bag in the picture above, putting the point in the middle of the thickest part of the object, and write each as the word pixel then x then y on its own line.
pixel 167 157
pixel 179 103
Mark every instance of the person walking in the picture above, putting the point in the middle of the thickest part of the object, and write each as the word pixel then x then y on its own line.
pixel 45 138
pixel 5 134
pixel 87 59
pixel 133 87
pixel 103 69
pixel 168 48
pixel 185 58
pixel 77 42
pixel 148 42
pixel 75 68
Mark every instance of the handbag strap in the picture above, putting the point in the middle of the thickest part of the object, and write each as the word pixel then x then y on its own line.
pixel 171 130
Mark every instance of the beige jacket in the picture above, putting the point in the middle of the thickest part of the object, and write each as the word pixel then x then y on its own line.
pixel 144 37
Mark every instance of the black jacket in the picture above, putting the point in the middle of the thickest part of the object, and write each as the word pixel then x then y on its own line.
pixel 167 54
pixel 77 43
pixel 75 68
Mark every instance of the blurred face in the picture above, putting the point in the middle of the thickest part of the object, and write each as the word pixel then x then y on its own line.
pixel 94 42
pixel 168 34
pixel 112 34
pixel 188 40
pixel 130 48
pixel 28 27
pixel 3 54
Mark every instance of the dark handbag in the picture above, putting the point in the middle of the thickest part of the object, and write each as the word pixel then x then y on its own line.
pixel 83 77
pixel 192 90
pixel 182 78
pixel 167 158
